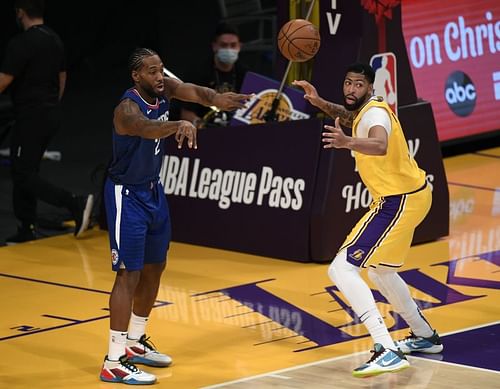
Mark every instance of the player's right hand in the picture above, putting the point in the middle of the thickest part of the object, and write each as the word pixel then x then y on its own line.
pixel 186 130
pixel 311 92
pixel 229 101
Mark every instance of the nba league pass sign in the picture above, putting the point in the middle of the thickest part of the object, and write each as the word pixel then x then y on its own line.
pixel 385 84
pixel 246 188
pixel 454 53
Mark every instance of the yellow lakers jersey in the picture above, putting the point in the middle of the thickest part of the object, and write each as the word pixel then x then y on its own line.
pixel 396 172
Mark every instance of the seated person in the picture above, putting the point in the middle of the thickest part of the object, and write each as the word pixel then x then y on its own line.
pixel 224 73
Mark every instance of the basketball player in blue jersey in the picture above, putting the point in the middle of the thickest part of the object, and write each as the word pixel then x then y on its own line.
pixel 136 208
pixel 380 241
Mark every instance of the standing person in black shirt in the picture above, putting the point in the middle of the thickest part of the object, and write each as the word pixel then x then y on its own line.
pixel 225 73
pixel 34 70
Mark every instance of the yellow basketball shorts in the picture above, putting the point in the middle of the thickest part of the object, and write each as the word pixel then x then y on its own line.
pixel 382 237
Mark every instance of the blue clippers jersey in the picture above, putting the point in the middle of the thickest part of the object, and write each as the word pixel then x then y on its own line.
pixel 137 160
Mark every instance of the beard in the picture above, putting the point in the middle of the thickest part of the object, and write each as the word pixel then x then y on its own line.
pixel 150 91
pixel 357 102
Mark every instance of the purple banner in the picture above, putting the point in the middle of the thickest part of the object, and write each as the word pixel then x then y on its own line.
pixel 246 188
pixel 291 104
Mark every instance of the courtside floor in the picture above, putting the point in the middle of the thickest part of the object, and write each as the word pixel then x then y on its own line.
pixel 234 320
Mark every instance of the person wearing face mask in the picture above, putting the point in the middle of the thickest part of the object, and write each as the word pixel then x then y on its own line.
pixel 34 73
pixel 225 73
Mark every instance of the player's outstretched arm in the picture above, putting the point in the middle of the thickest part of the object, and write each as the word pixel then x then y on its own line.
pixel 129 120
pixel 331 109
pixel 185 91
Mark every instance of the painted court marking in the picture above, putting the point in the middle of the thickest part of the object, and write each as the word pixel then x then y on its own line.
pixel 277 373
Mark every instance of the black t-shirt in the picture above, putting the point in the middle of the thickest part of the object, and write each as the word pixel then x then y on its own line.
pixel 35 58
pixel 220 81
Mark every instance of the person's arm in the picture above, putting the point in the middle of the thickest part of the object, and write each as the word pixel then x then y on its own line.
pixel 5 81
pixel 62 84
pixel 129 120
pixel 185 91
pixel 375 144
pixel 331 109
pixel 192 117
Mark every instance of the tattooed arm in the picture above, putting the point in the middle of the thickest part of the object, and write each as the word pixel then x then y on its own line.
pixel 336 111
pixel 129 120
pixel 331 109
pixel 185 91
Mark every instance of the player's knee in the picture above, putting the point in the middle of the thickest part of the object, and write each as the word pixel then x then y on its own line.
pixel 381 275
pixel 373 275
pixel 336 267
pixel 126 281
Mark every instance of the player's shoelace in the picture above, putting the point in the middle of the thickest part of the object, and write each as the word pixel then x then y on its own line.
pixel 412 336
pixel 128 365
pixel 376 355
pixel 147 344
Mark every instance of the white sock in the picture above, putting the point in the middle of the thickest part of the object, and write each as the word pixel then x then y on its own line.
pixel 117 341
pixel 137 326
pixel 359 295
pixel 395 290
pixel 377 328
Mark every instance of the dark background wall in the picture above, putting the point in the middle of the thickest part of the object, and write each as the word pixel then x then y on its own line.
pixel 98 38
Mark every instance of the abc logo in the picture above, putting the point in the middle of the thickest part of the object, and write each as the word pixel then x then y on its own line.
pixel 460 93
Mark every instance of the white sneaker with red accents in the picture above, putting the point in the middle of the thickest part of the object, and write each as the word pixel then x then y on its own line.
pixel 125 372
pixel 144 352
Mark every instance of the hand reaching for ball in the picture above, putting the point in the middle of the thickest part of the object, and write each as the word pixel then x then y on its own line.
pixel 311 94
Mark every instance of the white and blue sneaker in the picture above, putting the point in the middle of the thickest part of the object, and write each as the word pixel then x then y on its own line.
pixel 413 343
pixel 382 361
pixel 125 372
pixel 144 352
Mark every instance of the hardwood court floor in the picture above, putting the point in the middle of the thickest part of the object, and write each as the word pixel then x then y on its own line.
pixel 240 321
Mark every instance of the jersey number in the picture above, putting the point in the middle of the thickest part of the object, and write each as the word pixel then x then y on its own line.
pixel 157 147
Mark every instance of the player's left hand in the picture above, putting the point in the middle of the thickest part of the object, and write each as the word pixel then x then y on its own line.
pixel 335 137
pixel 229 101
pixel 186 130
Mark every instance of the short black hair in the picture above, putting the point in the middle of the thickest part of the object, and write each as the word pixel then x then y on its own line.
pixel 225 28
pixel 362 68
pixel 137 57
pixel 33 8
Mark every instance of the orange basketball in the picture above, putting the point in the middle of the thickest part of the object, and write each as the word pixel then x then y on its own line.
pixel 298 40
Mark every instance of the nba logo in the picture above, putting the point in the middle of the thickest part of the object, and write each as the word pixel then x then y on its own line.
pixel 385 85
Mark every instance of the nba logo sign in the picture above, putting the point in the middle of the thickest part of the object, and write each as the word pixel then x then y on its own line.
pixel 385 85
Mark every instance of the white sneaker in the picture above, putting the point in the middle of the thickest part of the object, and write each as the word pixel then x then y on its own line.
pixel 125 372
pixel 144 352
pixel 382 361
pixel 430 345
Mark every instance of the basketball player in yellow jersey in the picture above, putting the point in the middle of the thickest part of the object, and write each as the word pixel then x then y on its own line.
pixel 380 241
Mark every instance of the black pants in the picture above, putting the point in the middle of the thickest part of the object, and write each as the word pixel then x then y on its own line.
pixel 31 135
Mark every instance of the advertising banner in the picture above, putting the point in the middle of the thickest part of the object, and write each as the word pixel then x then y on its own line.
pixel 454 53
pixel 246 188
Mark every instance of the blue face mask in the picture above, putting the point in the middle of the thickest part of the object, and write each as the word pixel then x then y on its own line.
pixel 227 56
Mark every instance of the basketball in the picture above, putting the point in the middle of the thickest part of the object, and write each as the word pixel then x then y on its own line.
pixel 298 40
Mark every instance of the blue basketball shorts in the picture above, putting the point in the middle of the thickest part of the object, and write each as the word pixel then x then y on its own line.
pixel 138 224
